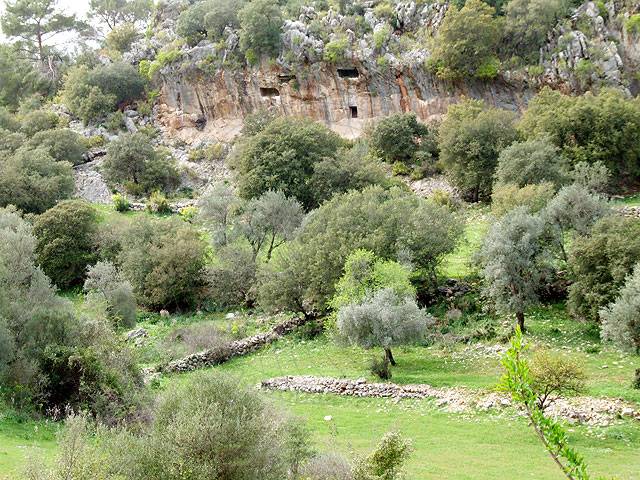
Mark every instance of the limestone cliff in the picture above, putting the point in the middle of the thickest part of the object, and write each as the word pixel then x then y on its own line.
pixel 206 91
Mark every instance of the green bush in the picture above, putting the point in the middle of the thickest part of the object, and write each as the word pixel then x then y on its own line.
pixel 621 319
pixel 37 121
pixel 120 203
pixel 164 259
pixel 599 264
pixel 531 162
pixel 62 144
pixel 260 28
pixel 633 24
pixel 158 203
pixel 534 198
pixel 121 38
pixel 282 157
pixel 335 50
pixel 399 138
pixel 471 138
pixel 386 461
pixel 105 283
pixel 33 181
pixel 66 236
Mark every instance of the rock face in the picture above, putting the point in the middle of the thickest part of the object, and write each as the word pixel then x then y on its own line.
pixel 345 99
pixel 592 411
pixel 209 89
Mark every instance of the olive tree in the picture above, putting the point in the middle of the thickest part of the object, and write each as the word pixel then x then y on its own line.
pixel 216 209
pixel 105 282
pixel 621 318
pixel 383 320
pixel 514 258
pixel 573 209
pixel 269 221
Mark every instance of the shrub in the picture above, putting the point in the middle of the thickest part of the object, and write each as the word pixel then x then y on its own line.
pixel 633 24
pixel 328 466
pixel 593 177
pixel 208 19
pixel 335 50
pixel 216 210
pixel 514 258
pixel 282 157
pixel 471 138
pixel 399 137
pixel 531 162
pixel 621 319
pixel 232 278
pixel 581 127
pixel 131 159
pixel 120 203
pixel 33 181
pixel 383 320
pixel 213 429
pixel 122 37
pixel 533 197
pixel 260 28
pixel 65 246
pixel 386 461
pixel 105 282
pixel 389 223
pixel 91 94
pixel 164 260
pixel 351 169
pixel 599 264
pixel 158 203
pixel 553 375
pixel 380 367
pixel 62 144
pixel 38 121
pixel 466 42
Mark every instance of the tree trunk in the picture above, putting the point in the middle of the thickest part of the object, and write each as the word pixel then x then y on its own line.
pixel 520 319
pixel 389 356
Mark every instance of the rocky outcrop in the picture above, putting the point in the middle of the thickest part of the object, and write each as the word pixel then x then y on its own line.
pixel 209 90
pixel 90 184
pixel 592 411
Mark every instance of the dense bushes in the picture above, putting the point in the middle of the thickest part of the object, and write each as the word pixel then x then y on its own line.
pixel 33 181
pixel 282 157
pixel 260 28
pixel 208 19
pixel 92 94
pixel 589 128
pixel 212 428
pixel 164 261
pixel 471 138
pixel 66 241
pixel 389 223
pixel 133 161
pixel 530 162
pixel 51 358
pixel 62 144
pixel 600 262
pixel 105 284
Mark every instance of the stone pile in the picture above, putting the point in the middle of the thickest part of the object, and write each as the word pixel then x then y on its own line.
pixel 588 410
pixel 630 211
pixel 221 354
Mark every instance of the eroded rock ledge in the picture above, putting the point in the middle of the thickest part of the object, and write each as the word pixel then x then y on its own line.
pixel 588 410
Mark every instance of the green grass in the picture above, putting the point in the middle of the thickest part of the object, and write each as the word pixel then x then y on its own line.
pixel 23 440
pixel 458 264
pixel 630 201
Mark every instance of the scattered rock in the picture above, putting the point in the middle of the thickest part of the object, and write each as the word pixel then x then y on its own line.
pixel 164 313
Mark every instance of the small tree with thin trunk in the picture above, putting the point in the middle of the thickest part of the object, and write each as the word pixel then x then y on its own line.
pixel 515 258
pixel 383 320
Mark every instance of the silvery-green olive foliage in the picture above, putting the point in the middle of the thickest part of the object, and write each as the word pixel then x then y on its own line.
pixel 383 320
pixel 105 282
pixel 595 176
pixel 573 209
pixel 216 209
pixel 270 220
pixel 621 319
pixel 514 259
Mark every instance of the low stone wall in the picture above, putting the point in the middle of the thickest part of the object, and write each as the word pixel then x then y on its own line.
pixel 216 356
pixel 592 411
pixel 629 211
